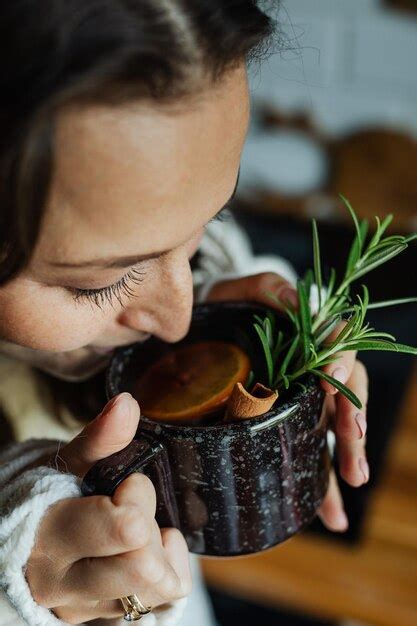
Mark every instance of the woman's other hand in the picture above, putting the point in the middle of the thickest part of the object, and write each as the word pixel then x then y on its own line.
pixel 348 423
pixel 91 551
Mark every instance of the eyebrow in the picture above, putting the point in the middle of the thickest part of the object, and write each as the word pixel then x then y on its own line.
pixel 127 261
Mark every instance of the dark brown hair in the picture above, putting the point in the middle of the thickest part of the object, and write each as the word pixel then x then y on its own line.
pixel 59 51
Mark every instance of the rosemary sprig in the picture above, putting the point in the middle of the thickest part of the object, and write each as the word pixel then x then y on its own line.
pixel 307 348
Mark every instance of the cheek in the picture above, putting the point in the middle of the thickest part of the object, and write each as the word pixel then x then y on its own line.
pixel 47 319
pixel 193 244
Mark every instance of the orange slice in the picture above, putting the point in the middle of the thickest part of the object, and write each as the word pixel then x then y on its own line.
pixel 191 382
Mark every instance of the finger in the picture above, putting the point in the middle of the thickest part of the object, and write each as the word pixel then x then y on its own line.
pixel 350 429
pixel 176 550
pixel 138 491
pixel 146 572
pixel 256 288
pixel 79 613
pixel 110 432
pixel 341 369
pixel 349 423
pixel 99 526
pixel 331 511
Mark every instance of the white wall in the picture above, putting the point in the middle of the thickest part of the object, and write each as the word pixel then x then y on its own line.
pixel 353 63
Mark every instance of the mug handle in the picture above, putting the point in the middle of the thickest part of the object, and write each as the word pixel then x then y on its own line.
pixel 144 455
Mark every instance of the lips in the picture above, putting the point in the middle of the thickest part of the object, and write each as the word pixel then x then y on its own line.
pixel 103 351
pixel 106 350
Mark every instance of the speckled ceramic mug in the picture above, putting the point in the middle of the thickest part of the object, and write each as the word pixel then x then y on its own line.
pixel 231 488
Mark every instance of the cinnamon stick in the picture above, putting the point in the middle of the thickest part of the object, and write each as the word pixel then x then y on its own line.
pixel 243 404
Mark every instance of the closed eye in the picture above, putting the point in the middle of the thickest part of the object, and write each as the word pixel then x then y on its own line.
pixel 106 295
pixel 122 288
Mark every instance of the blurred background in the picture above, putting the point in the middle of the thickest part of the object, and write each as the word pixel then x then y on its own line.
pixel 335 111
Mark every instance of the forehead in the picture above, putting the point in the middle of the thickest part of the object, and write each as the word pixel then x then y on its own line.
pixel 133 179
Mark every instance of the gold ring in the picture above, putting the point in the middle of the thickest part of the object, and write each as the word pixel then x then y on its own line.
pixel 134 609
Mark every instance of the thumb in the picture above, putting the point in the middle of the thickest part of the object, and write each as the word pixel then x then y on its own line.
pixel 111 431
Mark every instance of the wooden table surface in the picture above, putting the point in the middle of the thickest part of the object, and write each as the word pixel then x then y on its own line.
pixel 374 582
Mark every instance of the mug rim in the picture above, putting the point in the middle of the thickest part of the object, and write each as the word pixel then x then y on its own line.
pixel 270 418
pixel 274 415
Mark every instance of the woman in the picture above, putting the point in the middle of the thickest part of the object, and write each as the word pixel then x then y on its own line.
pixel 122 126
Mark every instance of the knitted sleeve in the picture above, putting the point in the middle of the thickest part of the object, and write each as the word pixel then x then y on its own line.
pixel 24 498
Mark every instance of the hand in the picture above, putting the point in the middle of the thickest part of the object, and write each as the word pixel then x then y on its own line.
pixel 348 423
pixel 91 551
pixel 349 426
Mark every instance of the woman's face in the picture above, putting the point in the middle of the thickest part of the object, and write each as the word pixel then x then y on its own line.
pixel 133 188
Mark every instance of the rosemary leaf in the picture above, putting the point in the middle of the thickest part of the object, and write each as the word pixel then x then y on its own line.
pixel 278 346
pixel 268 332
pixel 347 330
pixel 381 304
pixel 358 241
pixel 330 359
pixel 363 306
pixel 389 240
pixel 380 229
pixel 288 356
pixel 378 259
pixel 354 255
pixel 272 319
pixel 378 305
pixel 317 261
pixel 331 284
pixel 325 329
pixel 286 382
pixel 380 345
pixel 355 220
pixel 305 318
pixel 340 386
pixel 376 334
pixel 267 352
pixel 308 280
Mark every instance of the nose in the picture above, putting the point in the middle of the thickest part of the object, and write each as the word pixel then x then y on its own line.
pixel 164 300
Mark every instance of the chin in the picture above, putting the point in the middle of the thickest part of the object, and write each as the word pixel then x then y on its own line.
pixel 72 366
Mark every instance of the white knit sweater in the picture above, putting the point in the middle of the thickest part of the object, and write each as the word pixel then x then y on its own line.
pixel 26 495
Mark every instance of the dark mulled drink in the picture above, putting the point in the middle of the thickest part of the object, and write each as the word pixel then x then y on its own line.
pixel 192 384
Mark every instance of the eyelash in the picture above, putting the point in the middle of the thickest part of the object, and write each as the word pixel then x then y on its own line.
pixel 106 295
pixel 122 288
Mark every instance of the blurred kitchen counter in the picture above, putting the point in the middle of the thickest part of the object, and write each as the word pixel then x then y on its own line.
pixel 373 582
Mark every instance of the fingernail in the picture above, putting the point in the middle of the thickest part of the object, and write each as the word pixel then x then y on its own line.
pixel 122 397
pixel 288 295
pixel 361 423
pixel 342 521
pixel 364 467
pixel 340 374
